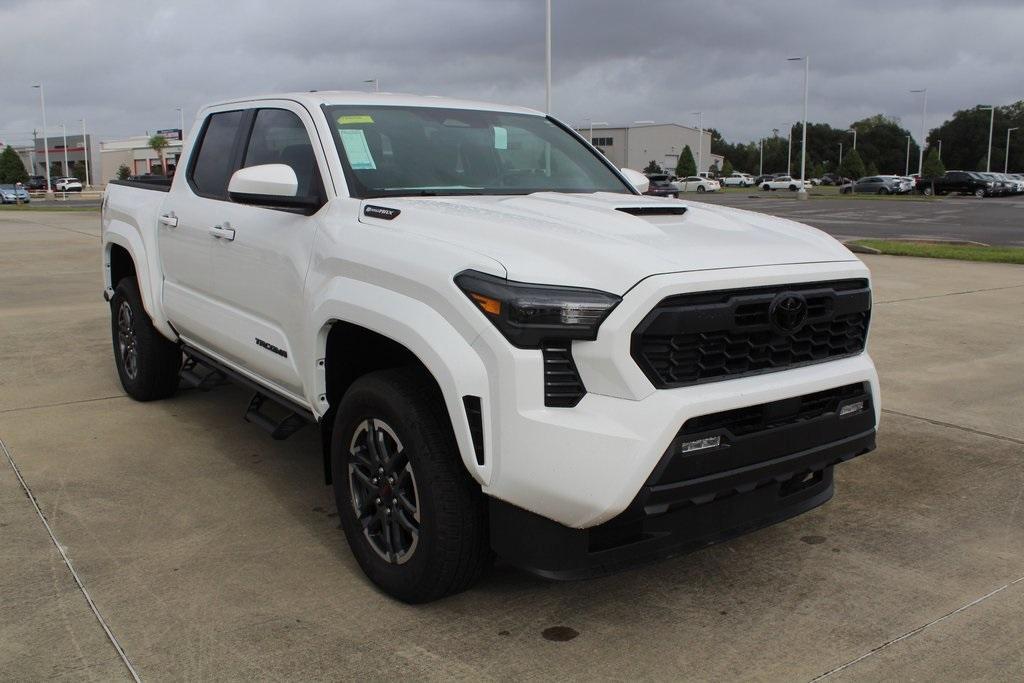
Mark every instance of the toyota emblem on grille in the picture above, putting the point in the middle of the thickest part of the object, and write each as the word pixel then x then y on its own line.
pixel 788 312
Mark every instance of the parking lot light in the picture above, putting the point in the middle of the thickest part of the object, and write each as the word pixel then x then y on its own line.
pixel 802 194
pixel 907 170
pixel 991 123
pixel 1006 164
pixel 854 131
pixel 67 169
pixel 46 141
pixel 924 111
pixel 700 139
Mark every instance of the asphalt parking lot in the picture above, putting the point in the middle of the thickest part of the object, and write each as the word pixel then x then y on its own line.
pixel 993 220
pixel 213 552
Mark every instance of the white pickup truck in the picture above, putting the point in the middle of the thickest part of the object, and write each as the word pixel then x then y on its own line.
pixel 506 347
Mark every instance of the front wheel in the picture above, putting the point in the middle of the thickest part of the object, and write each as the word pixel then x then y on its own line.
pixel 792 188
pixel 414 519
pixel 147 362
pixel 700 188
pixel 979 193
pixel 765 187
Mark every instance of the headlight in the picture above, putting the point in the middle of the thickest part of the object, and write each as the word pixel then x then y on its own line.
pixel 529 315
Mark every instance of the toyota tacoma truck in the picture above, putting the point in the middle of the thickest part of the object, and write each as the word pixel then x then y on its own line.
pixel 508 350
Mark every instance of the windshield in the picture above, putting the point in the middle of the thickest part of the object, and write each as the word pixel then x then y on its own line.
pixel 393 151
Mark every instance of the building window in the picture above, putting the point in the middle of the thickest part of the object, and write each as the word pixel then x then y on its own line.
pixel 603 142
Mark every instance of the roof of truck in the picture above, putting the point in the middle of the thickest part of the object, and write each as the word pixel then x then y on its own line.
pixel 315 98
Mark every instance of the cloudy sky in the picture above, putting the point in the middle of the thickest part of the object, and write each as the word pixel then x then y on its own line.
pixel 125 65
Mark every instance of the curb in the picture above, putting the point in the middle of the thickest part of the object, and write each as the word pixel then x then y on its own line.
pixel 860 248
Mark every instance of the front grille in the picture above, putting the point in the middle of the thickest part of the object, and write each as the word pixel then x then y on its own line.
pixel 563 387
pixel 708 336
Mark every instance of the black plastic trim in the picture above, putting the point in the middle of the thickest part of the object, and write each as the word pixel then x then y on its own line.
pixel 474 415
pixel 142 185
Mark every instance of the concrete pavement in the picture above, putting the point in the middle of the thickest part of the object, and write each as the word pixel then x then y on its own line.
pixel 213 551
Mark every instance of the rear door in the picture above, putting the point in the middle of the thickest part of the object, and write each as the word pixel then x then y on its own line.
pixel 259 265
pixel 183 230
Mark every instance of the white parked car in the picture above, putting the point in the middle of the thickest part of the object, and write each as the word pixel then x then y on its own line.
pixel 784 182
pixel 67 185
pixel 738 180
pixel 501 356
pixel 697 184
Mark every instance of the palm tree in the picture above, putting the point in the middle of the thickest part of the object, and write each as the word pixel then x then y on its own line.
pixel 158 143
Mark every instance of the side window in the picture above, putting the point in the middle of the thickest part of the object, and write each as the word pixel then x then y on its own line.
pixel 279 137
pixel 214 158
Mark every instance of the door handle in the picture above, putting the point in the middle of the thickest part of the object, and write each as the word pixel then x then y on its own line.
pixel 169 219
pixel 223 233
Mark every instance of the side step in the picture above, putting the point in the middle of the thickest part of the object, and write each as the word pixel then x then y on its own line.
pixel 278 429
pixel 285 419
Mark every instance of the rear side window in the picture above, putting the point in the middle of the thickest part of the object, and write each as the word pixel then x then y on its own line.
pixel 215 157
pixel 279 137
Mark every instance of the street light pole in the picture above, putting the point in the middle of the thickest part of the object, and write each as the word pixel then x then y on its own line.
pixel 1006 164
pixel 991 123
pixel 924 133
pixel 700 140
pixel 802 194
pixel 760 163
pixel 181 121
pixel 906 171
pixel 840 156
pixel 85 150
pixel 547 59
pixel 940 150
pixel 789 153
pixel 854 131
pixel 67 169
pixel 46 141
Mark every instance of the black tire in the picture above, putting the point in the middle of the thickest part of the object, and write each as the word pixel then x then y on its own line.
pixel 792 188
pixel 147 362
pixel 700 188
pixel 979 193
pixel 765 187
pixel 449 511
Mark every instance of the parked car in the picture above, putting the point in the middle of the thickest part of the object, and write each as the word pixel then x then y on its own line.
pixel 782 182
pixel 661 186
pixel 875 184
pixel 738 180
pixel 12 194
pixel 832 179
pixel 68 185
pixel 36 183
pixel 583 424
pixel 698 184
pixel 959 182
pixel 1016 180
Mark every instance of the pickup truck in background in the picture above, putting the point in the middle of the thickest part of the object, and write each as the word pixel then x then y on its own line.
pixel 506 348
pixel 959 182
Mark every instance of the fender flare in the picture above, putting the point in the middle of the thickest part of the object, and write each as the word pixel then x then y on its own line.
pixel 444 351
pixel 131 241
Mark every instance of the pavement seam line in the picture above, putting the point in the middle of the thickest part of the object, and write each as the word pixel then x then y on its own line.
pixel 67 561
pixel 940 423
pixel 917 630
pixel 65 403
pixel 939 296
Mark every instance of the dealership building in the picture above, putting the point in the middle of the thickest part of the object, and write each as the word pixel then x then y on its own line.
pixel 636 145
pixel 135 153
pixel 64 152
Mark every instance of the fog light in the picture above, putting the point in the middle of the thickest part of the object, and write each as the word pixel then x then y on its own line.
pixel 851 408
pixel 700 444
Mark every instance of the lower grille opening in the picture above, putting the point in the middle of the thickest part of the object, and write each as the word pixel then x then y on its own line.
pixel 563 387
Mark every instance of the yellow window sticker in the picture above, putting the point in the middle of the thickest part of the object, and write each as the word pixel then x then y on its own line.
pixel 360 118
pixel 356 149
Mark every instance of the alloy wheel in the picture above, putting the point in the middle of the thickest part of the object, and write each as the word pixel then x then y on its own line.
pixel 127 342
pixel 384 493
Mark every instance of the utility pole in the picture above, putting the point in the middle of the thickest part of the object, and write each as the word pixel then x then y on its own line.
pixel 1006 164
pixel 85 148
pixel 547 59
pixel 46 141
pixel 802 194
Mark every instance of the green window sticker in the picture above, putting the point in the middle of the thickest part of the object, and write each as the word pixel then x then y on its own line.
pixel 500 137
pixel 360 118
pixel 356 149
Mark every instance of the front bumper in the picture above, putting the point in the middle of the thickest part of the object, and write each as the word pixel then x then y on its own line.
pixel 775 461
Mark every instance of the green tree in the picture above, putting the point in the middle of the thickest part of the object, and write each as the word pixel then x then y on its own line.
pixel 652 167
pixel 158 143
pixel 933 165
pixel 713 169
pixel 727 169
pixel 852 166
pixel 78 170
pixel 123 172
pixel 11 168
pixel 817 170
pixel 965 138
pixel 686 166
pixel 870 169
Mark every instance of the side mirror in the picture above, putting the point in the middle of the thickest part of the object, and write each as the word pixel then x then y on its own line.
pixel 636 179
pixel 273 185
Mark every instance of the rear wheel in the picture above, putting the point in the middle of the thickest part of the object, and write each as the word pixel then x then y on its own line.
pixel 700 188
pixel 414 519
pixel 147 362
pixel 979 193
pixel 766 187
pixel 792 188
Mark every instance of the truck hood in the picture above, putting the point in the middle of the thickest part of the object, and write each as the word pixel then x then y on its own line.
pixel 608 241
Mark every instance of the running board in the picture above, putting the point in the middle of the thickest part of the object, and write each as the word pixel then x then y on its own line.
pixel 277 428
pixel 293 416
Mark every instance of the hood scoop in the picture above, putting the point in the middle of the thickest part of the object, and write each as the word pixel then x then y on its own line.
pixel 652 210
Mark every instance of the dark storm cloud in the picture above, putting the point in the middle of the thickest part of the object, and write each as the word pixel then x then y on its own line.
pixel 124 66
